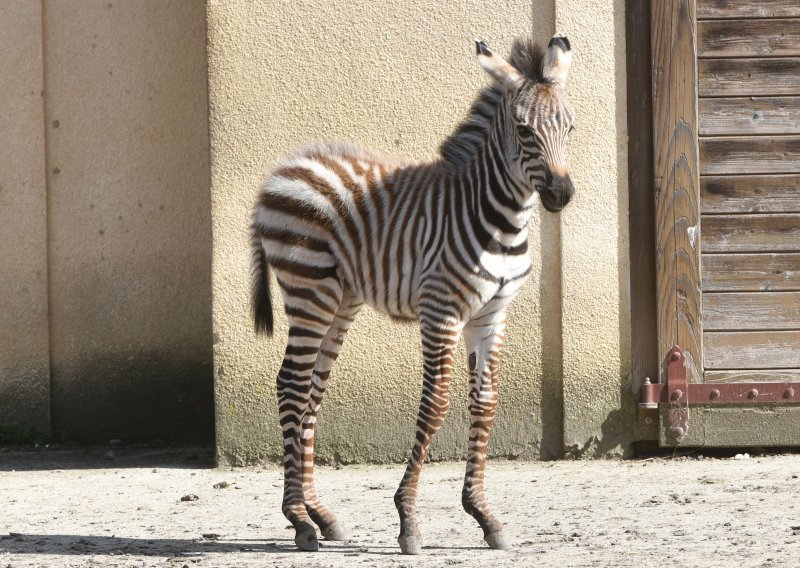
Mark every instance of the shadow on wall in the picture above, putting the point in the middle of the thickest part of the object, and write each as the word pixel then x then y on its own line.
pixel 158 395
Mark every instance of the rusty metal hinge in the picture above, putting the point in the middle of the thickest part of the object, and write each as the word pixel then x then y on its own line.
pixel 678 393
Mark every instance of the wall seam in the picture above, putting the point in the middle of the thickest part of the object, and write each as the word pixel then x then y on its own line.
pixel 48 254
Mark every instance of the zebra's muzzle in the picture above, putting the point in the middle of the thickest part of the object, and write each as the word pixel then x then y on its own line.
pixel 557 194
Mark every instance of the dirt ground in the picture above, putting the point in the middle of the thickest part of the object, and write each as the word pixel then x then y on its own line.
pixel 84 509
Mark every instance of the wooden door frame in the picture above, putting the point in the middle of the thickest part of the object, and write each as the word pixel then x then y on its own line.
pixel 676 172
pixel 655 173
pixel 674 319
pixel 641 209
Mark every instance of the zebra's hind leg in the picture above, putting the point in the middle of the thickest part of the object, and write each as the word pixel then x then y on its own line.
pixel 311 306
pixel 483 338
pixel 438 344
pixel 329 351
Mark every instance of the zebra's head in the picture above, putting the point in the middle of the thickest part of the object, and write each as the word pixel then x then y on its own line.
pixel 539 116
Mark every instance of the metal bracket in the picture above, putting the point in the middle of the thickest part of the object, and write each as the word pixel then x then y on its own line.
pixel 679 393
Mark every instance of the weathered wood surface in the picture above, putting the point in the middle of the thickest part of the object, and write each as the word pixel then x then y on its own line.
pixel 726 311
pixel 748 38
pixel 750 155
pixel 750 194
pixel 747 9
pixel 751 233
pixel 753 376
pixel 751 349
pixel 749 77
pixel 736 426
pixel 677 187
pixel 750 272
pixel 751 115
pixel 641 222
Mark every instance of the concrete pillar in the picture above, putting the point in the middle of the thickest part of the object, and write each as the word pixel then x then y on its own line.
pixel 129 219
pixel 598 402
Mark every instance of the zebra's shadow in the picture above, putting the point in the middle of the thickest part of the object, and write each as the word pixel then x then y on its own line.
pixel 92 545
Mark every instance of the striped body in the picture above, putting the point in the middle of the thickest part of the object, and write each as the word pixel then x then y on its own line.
pixel 444 242
pixel 397 234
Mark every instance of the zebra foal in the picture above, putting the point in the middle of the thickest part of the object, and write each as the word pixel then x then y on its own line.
pixel 443 242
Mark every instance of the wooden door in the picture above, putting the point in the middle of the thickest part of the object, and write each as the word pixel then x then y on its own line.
pixel 726 132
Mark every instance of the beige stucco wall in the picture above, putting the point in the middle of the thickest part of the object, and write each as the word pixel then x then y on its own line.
pixel 398 77
pixel 24 347
pixel 105 272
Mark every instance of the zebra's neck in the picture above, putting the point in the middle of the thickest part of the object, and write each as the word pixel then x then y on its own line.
pixel 501 200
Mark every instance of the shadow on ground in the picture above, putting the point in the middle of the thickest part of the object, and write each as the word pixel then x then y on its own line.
pixel 63 544
pixel 110 457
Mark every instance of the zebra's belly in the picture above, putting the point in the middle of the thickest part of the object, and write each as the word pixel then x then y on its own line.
pixel 396 296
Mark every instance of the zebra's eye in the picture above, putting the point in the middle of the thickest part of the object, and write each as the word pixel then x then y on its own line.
pixel 525 130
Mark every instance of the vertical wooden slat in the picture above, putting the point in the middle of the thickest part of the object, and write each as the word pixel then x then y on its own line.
pixel 677 185
pixel 644 345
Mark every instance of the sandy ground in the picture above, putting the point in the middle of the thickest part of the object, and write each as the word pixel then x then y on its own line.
pixel 77 509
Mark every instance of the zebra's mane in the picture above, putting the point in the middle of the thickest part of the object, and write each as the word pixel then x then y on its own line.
pixel 468 137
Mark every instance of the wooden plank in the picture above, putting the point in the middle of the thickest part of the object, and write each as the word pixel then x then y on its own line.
pixel 728 311
pixel 753 115
pixel 749 77
pixel 750 194
pixel 677 184
pixel 641 220
pixel 753 376
pixel 750 272
pixel 750 155
pixel 751 233
pixel 748 38
pixel 748 9
pixel 736 426
pixel 751 349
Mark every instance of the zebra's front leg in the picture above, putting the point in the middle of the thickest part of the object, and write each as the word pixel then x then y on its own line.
pixel 483 338
pixel 438 345
pixel 328 352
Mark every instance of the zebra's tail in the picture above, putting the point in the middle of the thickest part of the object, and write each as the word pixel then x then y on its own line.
pixel 261 299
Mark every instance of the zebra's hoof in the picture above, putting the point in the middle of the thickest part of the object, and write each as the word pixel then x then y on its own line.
pixel 335 531
pixel 410 545
pixel 306 538
pixel 497 541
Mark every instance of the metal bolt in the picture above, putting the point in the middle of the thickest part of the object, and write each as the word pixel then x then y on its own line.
pixel 753 393
pixel 788 393
pixel 675 356
pixel 714 394
pixel 677 394
pixel 677 431
pixel 648 420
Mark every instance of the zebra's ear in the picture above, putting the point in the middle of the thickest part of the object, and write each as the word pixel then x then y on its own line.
pixel 557 60
pixel 500 69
